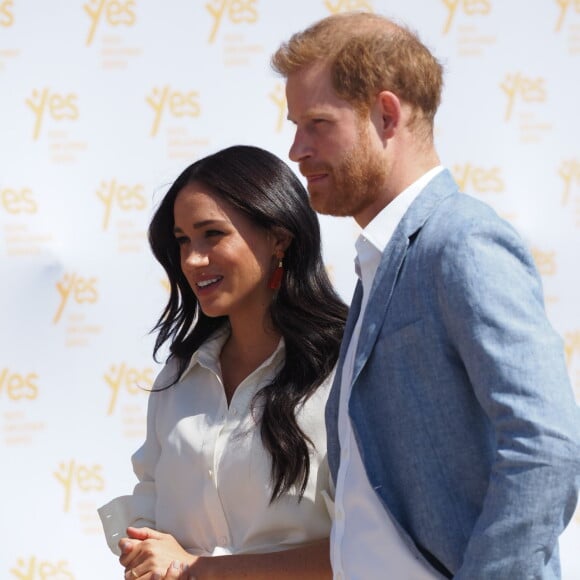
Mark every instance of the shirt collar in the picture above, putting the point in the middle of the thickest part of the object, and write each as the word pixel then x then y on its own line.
pixel 208 354
pixel 381 228
pixel 373 239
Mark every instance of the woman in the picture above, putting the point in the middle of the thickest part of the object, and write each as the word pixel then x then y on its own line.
pixel 234 462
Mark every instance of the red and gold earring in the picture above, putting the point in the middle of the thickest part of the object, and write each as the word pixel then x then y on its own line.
pixel 276 278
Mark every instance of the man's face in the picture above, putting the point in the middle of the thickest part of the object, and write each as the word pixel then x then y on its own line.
pixel 338 150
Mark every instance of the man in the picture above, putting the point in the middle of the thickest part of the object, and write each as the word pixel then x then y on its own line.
pixel 452 429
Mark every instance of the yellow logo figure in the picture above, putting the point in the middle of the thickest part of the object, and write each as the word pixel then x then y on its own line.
pixel 58 107
pixel 17 201
pixel 125 197
pixel 565 6
pixel 76 476
pixel 571 345
pixel 339 6
pixel 112 12
pixel 570 173
pixel 236 11
pixel 545 262
pixel 75 288
pixel 177 104
pixel 6 14
pixel 478 179
pixel 132 379
pixel 17 386
pixel 279 99
pixel 529 90
pixel 32 568
pixel 468 7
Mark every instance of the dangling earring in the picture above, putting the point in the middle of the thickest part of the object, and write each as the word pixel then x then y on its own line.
pixel 276 278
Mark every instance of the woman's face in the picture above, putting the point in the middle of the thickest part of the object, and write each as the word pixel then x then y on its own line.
pixel 226 259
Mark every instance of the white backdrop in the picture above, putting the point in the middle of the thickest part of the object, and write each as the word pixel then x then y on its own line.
pixel 104 102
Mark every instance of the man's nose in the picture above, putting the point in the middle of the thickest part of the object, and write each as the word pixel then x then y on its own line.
pixel 300 148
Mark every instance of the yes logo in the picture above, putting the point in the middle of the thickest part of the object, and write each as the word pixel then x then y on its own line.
pixel 112 12
pixel 80 290
pixel 75 476
pixel 570 173
pixel 177 104
pixel 6 14
pixel 565 6
pixel 571 345
pixel 545 262
pixel 125 197
pixel 279 99
pixel 32 568
pixel 529 90
pixel 237 11
pixel 470 177
pixel 17 201
pixel 347 5
pixel 17 386
pixel 56 106
pixel 131 379
pixel 469 7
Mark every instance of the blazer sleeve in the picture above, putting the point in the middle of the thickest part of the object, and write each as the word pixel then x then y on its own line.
pixel 491 302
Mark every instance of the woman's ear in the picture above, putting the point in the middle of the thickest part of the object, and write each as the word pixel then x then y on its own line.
pixel 282 238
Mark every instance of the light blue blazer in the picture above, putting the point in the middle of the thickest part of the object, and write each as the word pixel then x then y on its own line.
pixel 461 402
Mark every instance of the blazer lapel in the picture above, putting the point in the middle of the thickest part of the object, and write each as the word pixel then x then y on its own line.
pixel 440 187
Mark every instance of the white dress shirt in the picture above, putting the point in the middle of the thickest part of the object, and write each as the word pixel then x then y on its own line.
pixel 365 543
pixel 204 475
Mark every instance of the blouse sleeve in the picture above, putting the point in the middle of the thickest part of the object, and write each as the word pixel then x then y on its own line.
pixel 138 509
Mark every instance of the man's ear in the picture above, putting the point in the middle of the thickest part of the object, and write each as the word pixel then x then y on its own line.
pixel 388 113
pixel 282 238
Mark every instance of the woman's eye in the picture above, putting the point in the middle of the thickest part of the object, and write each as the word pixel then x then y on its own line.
pixel 181 240
pixel 212 233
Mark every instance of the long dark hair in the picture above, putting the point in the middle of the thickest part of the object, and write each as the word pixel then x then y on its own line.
pixel 306 310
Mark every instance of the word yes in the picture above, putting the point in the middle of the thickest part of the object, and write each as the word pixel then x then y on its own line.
pixel 470 8
pixel 130 378
pixel 113 12
pixel 125 197
pixel 279 99
pixel 237 11
pixel 82 477
pixel 31 569
pixel 480 179
pixel 530 90
pixel 17 386
pixel 57 106
pixel 78 288
pixel 564 7
pixel 179 105
pixel 18 201
pixel 570 172
pixel 571 345
pixel 6 14
pixel 347 6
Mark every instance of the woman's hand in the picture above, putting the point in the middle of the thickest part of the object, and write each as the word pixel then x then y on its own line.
pixel 147 554
pixel 176 571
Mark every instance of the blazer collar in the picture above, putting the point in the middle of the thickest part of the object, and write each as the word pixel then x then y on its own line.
pixel 441 186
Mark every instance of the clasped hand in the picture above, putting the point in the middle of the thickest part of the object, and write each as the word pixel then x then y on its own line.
pixel 147 554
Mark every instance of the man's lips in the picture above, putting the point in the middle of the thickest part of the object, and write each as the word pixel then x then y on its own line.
pixel 314 177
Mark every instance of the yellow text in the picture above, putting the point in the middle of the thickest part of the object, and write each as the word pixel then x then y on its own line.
pixel 237 11
pixel 76 476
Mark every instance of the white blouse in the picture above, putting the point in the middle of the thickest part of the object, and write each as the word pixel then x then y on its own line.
pixel 204 475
